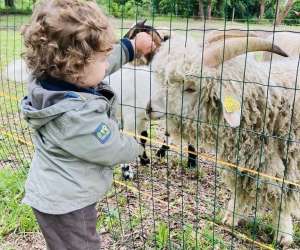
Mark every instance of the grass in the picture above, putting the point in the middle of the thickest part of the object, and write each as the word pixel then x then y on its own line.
pixel 14 217
pixel 162 235
pixel 189 238
pixel 297 234
pixel 10 46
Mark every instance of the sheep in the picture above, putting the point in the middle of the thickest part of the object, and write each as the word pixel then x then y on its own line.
pixel 217 35
pixel 289 40
pixel 16 71
pixel 242 119
pixel 133 85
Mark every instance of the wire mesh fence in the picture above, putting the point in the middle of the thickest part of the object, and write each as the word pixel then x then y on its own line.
pixel 229 178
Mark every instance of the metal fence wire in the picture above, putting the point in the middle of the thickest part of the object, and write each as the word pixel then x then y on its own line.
pixel 195 197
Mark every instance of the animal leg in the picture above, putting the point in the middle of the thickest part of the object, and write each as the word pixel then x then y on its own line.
pixel 233 213
pixel 192 156
pixel 144 158
pixel 161 153
pixel 283 233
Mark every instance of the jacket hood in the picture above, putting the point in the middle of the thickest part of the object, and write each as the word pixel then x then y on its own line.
pixel 49 98
pixel 42 105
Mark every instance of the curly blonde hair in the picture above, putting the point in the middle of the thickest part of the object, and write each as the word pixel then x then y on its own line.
pixel 63 36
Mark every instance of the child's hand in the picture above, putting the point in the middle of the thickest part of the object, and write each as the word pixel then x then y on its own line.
pixel 143 43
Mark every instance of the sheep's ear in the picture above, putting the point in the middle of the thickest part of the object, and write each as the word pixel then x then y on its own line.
pixel 231 110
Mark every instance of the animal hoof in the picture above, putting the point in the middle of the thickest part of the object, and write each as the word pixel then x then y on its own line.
pixel 127 172
pixel 145 161
pixel 192 156
pixel 161 153
pixel 228 219
pixel 192 163
pixel 286 240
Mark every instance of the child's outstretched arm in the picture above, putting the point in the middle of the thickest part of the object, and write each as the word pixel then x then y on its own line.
pixel 127 49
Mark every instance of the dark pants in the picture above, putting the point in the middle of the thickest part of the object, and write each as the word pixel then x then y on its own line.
pixel 72 231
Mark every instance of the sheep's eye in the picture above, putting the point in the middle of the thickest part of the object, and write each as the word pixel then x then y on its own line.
pixel 190 90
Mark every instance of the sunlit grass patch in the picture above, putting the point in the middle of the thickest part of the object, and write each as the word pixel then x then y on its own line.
pixel 187 237
pixel 14 217
pixel 10 46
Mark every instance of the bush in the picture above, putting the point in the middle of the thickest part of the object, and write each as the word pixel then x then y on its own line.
pixel 129 8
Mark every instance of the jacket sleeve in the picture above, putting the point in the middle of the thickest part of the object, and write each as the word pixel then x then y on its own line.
pixel 122 53
pixel 96 138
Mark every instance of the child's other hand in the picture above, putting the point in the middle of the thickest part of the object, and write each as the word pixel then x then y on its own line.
pixel 143 43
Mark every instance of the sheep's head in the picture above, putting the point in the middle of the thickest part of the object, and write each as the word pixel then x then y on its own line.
pixel 158 35
pixel 191 80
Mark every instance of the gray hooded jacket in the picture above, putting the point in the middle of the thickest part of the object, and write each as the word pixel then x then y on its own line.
pixel 77 144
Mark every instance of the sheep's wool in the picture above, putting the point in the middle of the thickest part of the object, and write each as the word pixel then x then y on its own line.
pixel 267 140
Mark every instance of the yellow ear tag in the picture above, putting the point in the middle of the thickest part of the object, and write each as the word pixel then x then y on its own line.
pixel 231 104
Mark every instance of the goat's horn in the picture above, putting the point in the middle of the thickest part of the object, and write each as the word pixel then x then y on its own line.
pixel 217 35
pixel 142 22
pixel 213 55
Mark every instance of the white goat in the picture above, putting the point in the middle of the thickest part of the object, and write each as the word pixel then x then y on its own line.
pixel 249 122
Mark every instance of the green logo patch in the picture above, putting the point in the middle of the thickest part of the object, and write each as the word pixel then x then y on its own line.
pixel 102 133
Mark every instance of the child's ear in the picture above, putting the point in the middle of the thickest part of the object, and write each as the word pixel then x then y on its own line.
pixel 231 109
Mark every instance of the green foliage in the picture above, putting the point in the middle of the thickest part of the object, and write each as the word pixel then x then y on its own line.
pixel 297 233
pixel 217 8
pixel 128 8
pixel 13 215
pixel 179 7
pixel 202 239
pixel 162 235
pixel 241 9
pixel 10 45
pixel 292 18
pixel 21 7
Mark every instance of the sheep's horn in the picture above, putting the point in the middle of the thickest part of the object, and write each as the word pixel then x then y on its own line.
pixel 131 33
pixel 213 55
pixel 141 23
pixel 217 35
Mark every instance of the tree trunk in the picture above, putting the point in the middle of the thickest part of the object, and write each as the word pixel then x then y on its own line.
pixel 201 9
pixel 9 3
pixel 209 9
pixel 262 9
pixel 233 11
pixel 282 13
